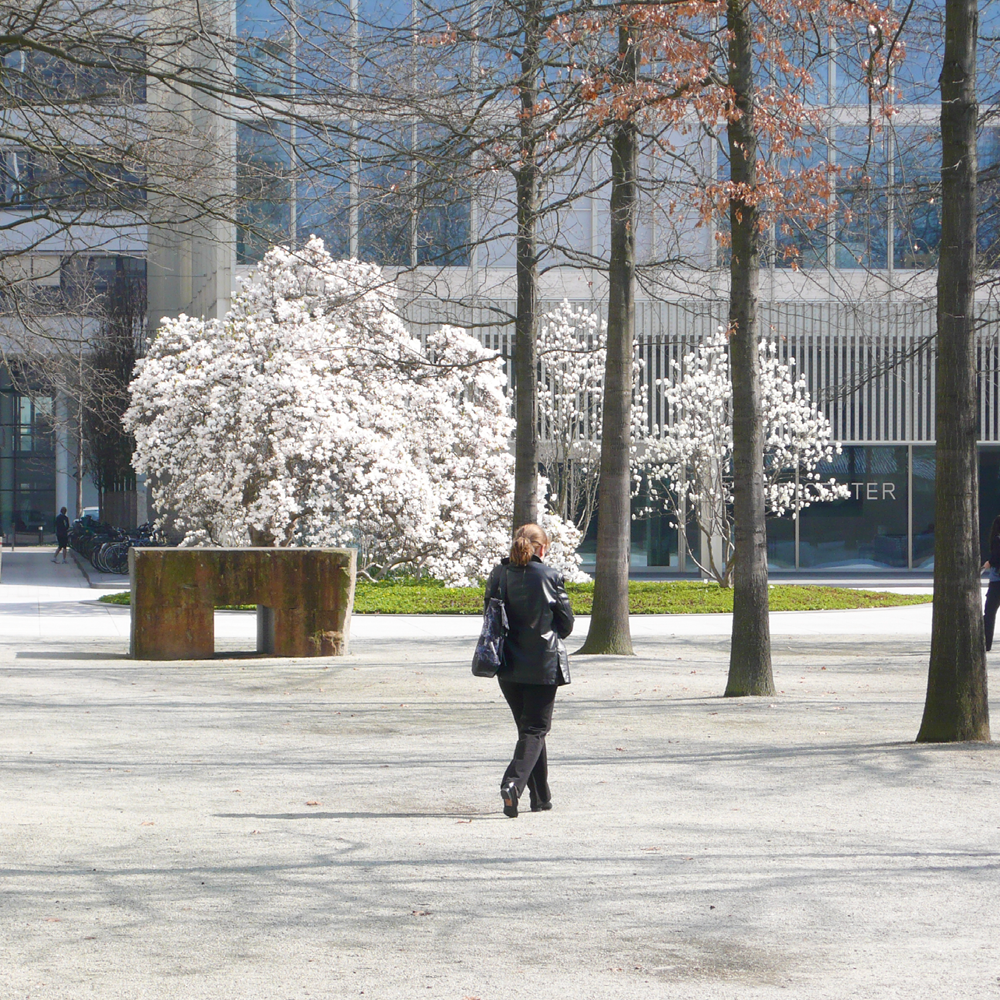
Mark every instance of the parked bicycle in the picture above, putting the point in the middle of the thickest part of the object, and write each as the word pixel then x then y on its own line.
pixel 106 547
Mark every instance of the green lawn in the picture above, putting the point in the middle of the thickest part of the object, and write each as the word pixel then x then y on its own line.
pixel 678 598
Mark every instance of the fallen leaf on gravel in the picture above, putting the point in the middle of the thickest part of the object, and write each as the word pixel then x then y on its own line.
pixel 312 802
pixel 421 913
pixel 53 920
pixel 148 823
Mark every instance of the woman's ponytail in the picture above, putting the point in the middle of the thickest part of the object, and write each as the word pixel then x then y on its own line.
pixel 529 539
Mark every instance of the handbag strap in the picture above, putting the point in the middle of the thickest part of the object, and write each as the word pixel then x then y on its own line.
pixel 503 582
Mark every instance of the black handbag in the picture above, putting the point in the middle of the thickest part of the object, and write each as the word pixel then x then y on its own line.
pixel 488 657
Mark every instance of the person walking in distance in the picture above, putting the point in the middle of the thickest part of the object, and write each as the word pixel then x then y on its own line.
pixel 62 535
pixel 993 590
pixel 534 660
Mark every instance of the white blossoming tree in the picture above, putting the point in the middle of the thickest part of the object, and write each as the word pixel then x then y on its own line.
pixel 311 416
pixel 689 462
pixel 572 351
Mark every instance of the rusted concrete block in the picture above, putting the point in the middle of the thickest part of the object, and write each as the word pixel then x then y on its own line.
pixel 303 597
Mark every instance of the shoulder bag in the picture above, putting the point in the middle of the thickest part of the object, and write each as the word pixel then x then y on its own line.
pixel 489 649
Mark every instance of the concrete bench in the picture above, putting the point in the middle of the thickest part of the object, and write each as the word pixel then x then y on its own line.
pixel 303 598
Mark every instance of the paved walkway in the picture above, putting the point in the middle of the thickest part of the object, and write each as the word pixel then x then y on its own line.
pixel 273 829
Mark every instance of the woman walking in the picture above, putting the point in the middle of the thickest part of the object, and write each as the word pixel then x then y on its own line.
pixel 993 590
pixel 534 659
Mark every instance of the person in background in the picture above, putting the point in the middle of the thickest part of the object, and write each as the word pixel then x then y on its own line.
pixel 62 535
pixel 534 659
pixel 993 590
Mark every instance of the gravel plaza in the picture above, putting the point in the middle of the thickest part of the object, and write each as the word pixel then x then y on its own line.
pixel 245 828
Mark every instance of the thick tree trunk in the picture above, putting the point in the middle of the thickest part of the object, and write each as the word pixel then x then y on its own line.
pixel 609 626
pixel 526 252
pixel 750 651
pixel 956 707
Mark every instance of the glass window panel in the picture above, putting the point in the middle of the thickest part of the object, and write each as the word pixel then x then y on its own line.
pixel 780 543
pixel 104 72
pixel 800 237
pixel 923 508
pixel 322 189
pixel 266 44
pixel 989 495
pixel 988 221
pixel 723 228
pixel 79 179
pixel 27 461
pixel 661 545
pixel 444 206
pixel 923 35
pixel 808 53
pixel 263 186
pixel 639 549
pixel 692 539
pixel 851 53
pixel 869 529
pixel 385 218
pixel 862 198
pixel 917 196
pixel 988 53
pixel 658 536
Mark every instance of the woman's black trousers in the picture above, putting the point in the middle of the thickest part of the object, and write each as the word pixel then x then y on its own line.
pixel 531 706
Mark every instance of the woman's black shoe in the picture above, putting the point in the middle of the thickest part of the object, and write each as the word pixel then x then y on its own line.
pixel 537 807
pixel 509 795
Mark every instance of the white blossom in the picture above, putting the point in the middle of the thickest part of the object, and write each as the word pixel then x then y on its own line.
pixel 564 537
pixel 310 415
pixel 692 456
pixel 572 350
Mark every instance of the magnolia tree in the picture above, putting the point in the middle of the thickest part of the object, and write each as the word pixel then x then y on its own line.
pixel 689 462
pixel 310 416
pixel 572 349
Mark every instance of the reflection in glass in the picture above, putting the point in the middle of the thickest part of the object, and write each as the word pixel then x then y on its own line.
pixel 917 191
pixel 851 52
pixel 988 194
pixel 923 508
pixel 867 530
pixel 780 543
pixel 800 235
pixel 923 35
pixel 989 495
pixel 322 190
pixel 988 53
pixel 27 460
pixel 862 198
pixel 264 187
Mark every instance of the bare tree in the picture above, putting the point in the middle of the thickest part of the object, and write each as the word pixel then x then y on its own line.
pixel 750 649
pixel 956 707
pixel 609 624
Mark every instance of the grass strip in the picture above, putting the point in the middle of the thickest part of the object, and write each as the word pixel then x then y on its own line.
pixel 681 597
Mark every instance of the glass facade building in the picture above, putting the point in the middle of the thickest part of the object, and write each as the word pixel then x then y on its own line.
pixel 27 460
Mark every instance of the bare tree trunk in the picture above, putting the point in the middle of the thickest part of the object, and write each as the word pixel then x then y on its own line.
pixel 79 462
pixel 956 707
pixel 526 321
pixel 80 442
pixel 750 650
pixel 609 625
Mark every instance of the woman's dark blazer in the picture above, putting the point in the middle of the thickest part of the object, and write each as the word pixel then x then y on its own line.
pixel 540 618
